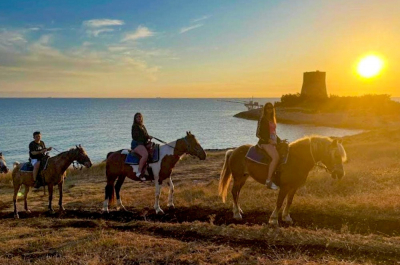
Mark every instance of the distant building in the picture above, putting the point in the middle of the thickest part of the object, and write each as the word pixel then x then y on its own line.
pixel 314 85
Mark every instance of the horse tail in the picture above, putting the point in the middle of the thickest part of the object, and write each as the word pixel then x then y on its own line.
pixel 225 177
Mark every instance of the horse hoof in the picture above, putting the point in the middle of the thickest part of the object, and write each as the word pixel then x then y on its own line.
pixel 16 216
pixel 171 206
pixel 121 209
pixel 238 217
pixel 51 211
pixel 105 211
pixel 273 222
pixel 28 211
pixel 288 220
pixel 160 212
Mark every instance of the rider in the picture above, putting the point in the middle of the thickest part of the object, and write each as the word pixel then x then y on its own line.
pixel 266 132
pixel 37 150
pixel 140 139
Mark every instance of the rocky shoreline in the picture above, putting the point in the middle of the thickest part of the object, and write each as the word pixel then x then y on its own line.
pixel 337 119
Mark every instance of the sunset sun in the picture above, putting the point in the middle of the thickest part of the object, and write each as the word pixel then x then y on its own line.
pixel 370 66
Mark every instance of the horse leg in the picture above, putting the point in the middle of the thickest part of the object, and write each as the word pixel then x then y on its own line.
pixel 16 190
pixel 238 183
pixel 273 220
pixel 50 198
pixel 158 193
pixel 286 214
pixel 120 181
pixel 171 194
pixel 109 193
pixel 26 190
pixel 60 190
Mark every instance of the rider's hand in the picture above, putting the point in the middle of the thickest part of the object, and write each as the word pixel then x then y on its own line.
pixel 44 151
pixel 49 149
pixel 150 137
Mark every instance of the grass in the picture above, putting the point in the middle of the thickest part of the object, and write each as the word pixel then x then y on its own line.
pixel 355 221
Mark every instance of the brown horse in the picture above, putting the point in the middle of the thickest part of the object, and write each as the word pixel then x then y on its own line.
pixel 169 155
pixel 54 174
pixel 304 154
pixel 3 164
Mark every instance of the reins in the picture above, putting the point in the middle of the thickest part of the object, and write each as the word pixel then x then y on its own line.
pixel 173 147
pixel 161 141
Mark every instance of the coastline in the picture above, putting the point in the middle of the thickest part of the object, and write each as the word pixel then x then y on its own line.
pixel 337 120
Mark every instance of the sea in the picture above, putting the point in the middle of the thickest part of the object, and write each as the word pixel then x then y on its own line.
pixel 104 125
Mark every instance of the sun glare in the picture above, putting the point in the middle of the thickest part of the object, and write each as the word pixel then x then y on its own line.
pixel 370 66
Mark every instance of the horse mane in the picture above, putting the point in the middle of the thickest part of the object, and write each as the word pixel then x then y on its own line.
pixel 318 140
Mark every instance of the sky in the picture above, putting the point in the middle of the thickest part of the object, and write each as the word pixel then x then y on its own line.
pixel 185 49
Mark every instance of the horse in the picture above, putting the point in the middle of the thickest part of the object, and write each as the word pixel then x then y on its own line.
pixel 3 165
pixel 304 155
pixel 53 174
pixel 170 154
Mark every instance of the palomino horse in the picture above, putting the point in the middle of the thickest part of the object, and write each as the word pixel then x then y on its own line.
pixel 3 165
pixel 54 174
pixel 304 154
pixel 169 155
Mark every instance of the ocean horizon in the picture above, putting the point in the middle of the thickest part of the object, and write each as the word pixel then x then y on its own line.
pixel 102 125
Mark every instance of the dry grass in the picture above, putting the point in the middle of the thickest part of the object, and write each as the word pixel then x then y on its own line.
pixel 355 221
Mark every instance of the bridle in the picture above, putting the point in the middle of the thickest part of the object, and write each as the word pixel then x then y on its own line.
pixel 318 163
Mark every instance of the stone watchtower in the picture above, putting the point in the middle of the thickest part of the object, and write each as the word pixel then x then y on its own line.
pixel 314 85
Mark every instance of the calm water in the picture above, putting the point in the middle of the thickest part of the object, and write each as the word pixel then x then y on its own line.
pixel 103 125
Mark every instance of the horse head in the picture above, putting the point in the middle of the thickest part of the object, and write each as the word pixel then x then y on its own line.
pixel 3 165
pixel 334 157
pixel 82 157
pixel 193 146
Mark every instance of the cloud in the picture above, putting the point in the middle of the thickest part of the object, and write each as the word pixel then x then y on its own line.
pixel 97 26
pixel 183 30
pixel 96 23
pixel 140 33
pixel 98 31
pixel 200 19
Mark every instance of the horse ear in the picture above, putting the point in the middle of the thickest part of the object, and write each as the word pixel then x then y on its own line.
pixel 187 133
pixel 80 146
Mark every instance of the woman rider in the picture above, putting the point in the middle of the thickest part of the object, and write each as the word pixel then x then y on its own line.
pixel 266 132
pixel 140 138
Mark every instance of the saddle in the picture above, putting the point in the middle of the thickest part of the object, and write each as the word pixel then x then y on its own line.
pixel 133 158
pixel 28 167
pixel 258 155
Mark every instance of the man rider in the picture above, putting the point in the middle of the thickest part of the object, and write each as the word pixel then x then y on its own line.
pixel 37 150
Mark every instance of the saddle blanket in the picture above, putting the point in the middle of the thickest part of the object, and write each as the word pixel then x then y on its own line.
pixel 27 166
pixel 258 155
pixel 134 159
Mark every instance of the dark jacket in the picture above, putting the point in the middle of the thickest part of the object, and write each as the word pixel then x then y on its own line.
pixel 139 134
pixel 263 132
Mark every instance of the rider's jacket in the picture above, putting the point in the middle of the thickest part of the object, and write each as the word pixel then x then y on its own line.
pixel 139 134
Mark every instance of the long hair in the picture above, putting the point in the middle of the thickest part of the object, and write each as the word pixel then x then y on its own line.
pixel 134 118
pixel 271 116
